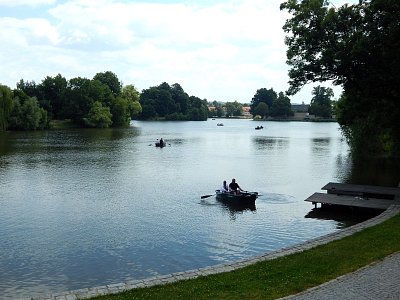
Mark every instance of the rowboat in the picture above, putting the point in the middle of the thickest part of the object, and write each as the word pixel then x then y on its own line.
pixel 158 144
pixel 242 198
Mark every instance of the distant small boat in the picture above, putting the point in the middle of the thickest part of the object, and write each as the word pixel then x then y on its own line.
pixel 220 124
pixel 159 144
pixel 259 127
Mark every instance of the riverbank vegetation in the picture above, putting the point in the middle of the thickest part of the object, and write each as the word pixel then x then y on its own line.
pixel 286 275
pixel 99 102
pixel 171 103
pixel 355 46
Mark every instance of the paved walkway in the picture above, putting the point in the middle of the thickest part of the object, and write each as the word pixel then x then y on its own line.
pixel 389 277
pixel 377 281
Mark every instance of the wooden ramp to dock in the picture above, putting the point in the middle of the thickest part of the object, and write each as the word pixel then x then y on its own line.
pixel 353 201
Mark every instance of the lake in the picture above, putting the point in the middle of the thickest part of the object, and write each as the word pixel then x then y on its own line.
pixel 90 207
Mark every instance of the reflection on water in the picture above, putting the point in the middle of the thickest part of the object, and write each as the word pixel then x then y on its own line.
pixel 344 216
pixel 374 171
pixel 270 143
pixel 232 209
pixel 236 209
pixel 83 208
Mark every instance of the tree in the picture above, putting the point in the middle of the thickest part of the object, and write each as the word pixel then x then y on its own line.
pixel 171 103
pixel 121 115
pixel 79 99
pixel 52 95
pixel 82 93
pixel 281 107
pixel 321 103
pixel 356 46
pixel 98 116
pixel 233 109
pixel 261 110
pixel 111 80
pixel 180 98
pixel 220 111
pixel 262 95
pixel 28 87
pixel 28 115
pixel 130 93
pixel 198 110
pixel 6 105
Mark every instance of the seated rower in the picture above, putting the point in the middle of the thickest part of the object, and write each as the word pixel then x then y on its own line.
pixel 234 187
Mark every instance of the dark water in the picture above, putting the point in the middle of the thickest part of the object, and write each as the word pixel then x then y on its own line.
pixel 82 208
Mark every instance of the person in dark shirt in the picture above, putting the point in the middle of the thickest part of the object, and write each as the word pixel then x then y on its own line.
pixel 234 187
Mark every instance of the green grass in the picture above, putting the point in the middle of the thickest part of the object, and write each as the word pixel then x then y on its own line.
pixel 287 275
pixel 62 124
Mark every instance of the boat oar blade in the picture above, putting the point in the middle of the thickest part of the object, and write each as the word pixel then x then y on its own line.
pixel 206 196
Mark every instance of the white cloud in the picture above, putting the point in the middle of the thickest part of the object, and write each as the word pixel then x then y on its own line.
pixel 27 32
pixel 221 51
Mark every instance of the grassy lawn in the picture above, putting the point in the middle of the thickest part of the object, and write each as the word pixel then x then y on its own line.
pixel 62 124
pixel 287 275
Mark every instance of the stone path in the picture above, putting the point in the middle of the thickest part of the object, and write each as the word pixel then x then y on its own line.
pixel 377 281
pixel 159 280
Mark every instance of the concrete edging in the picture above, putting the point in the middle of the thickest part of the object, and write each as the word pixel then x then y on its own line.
pixel 221 268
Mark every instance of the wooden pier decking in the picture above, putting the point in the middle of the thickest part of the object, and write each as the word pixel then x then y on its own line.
pixel 364 196
pixel 373 191
pixel 344 200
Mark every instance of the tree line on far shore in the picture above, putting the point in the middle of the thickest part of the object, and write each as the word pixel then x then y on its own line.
pixel 100 102
pixel 104 102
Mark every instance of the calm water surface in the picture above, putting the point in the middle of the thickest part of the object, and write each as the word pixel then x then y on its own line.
pixel 83 208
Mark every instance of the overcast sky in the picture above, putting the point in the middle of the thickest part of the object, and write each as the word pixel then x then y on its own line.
pixel 217 50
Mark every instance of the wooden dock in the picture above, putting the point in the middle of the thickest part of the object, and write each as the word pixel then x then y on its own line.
pixel 353 201
pixel 364 196
pixel 365 191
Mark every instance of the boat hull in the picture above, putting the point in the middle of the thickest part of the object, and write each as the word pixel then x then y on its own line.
pixel 243 198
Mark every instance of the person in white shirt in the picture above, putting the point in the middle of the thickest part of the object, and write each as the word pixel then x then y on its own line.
pixel 224 187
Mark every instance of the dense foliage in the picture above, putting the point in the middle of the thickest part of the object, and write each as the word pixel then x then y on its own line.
pixel 171 103
pixel 267 103
pixel 98 102
pixel 358 47
pixel 321 103
pixel 5 106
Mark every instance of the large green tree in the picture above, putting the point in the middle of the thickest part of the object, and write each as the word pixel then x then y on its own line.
pixel 132 96
pixel 52 95
pixel 357 47
pixel 261 110
pixel 111 80
pixel 6 105
pixel 233 109
pixel 27 114
pixel 262 95
pixel 281 107
pixel 98 116
pixel 321 103
pixel 171 103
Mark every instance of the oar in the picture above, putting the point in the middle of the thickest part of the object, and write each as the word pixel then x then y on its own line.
pixel 206 196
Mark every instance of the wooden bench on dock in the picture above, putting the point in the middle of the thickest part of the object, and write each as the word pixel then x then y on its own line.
pixel 365 196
